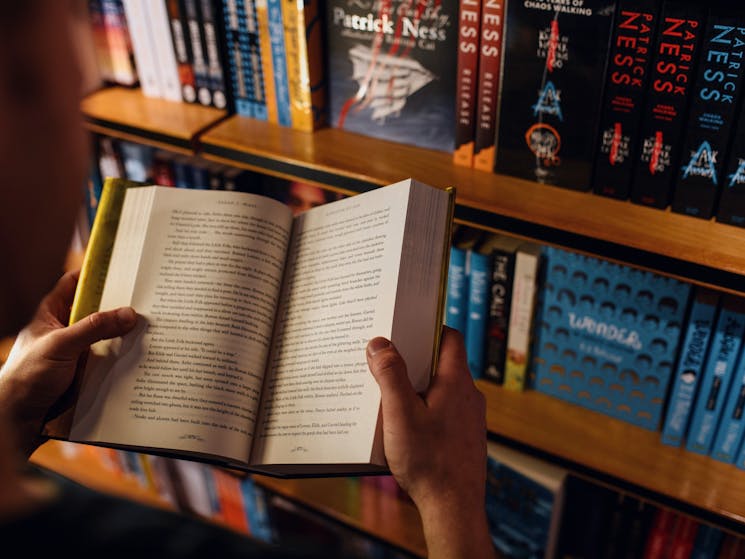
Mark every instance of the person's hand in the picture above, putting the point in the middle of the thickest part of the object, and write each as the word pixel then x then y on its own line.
pixel 41 365
pixel 435 446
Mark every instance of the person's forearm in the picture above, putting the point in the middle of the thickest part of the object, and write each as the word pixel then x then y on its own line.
pixel 23 430
pixel 454 528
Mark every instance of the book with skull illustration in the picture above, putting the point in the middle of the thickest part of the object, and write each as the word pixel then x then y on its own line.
pixel 392 68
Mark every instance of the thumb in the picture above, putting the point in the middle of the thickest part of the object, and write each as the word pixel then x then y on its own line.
pixel 76 338
pixel 388 368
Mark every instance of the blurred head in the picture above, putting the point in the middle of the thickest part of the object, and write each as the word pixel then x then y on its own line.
pixel 43 152
pixel 302 196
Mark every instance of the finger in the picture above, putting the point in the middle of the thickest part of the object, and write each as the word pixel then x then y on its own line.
pixel 76 338
pixel 452 366
pixel 388 368
pixel 59 299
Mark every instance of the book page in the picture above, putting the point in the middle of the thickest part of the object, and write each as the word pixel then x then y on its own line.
pixel 203 269
pixel 320 400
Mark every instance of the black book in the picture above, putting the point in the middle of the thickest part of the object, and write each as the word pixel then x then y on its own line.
pixel 714 102
pixel 625 86
pixel 554 65
pixel 664 116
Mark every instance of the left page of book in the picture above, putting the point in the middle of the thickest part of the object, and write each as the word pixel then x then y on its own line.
pixel 203 270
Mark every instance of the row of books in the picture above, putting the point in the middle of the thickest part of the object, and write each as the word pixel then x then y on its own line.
pixel 537 510
pixel 648 349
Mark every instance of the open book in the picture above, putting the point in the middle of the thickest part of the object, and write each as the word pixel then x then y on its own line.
pixel 250 348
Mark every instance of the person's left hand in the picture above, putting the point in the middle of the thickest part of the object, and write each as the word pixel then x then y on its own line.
pixel 41 365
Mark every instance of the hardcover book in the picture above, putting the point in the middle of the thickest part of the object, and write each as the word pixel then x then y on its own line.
pixel 249 350
pixel 694 351
pixel 469 30
pixel 554 63
pixel 607 336
pixel 715 98
pixel 489 86
pixel 666 106
pixel 625 86
pixel 392 68
pixel 718 372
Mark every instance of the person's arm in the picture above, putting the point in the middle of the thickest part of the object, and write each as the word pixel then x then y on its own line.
pixel 435 445
pixel 41 365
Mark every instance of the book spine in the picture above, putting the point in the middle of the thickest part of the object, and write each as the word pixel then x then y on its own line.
pixel 143 47
pixel 708 540
pixel 683 539
pixel 715 97
pixel 467 75
pixel 279 64
pixel 732 426
pixel 731 207
pixel 665 110
pixel 199 61
pixel 120 47
pixel 457 291
pixel 266 63
pixel 211 19
pixel 554 64
pixel 625 85
pixel 98 253
pixel 479 272
pixel 160 31
pixel 245 59
pixel 524 289
pixel 658 540
pixel 100 42
pixel 182 51
pixel 500 295
pixel 490 71
pixel 690 365
pixel 717 375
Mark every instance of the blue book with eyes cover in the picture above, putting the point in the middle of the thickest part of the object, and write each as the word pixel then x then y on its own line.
pixel 607 335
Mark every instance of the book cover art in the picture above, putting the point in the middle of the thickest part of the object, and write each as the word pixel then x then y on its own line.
pixel 490 72
pixel 718 372
pixel 607 336
pixel 469 30
pixel 666 106
pixel 715 97
pixel 694 350
pixel 625 85
pixel 392 69
pixel 554 63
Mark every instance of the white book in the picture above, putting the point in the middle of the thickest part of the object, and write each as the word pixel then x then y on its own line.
pixel 160 31
pixel 144 49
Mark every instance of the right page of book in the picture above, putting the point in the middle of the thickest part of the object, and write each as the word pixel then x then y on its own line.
pixel 352 267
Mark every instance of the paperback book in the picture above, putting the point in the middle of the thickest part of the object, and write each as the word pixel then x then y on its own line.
pixel 249 350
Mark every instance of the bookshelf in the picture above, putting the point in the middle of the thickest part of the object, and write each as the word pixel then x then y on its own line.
pixel 593 445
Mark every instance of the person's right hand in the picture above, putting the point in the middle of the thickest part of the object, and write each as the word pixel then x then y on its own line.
pixel 435 446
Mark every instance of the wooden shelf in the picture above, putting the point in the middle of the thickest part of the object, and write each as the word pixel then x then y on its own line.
pixel 129 115
pixel 617 452
pixel 362 506
pixel 705 252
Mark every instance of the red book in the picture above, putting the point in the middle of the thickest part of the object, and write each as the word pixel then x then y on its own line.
pixel 467 76
pixel 660 535
pixel 490 69
pixel 684 536
pixel 733 547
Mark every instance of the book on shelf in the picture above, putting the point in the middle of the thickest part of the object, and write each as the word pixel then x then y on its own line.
pixel 182 50
pixel 456 307
pixel 626 80
pixel 659 539
pixel 392 70
pixel 477 307
pixel 708 540
pixel 469 31
pixel 665 110
pixel 238 358
pixel 213 32
pixel 714 99
pixel 524 502
pixel 732 547
pixel 165 56
pixel 118 63
pixel 527 278
pixel 718 372
pixel 554 63
pixel 195 36
pixel 731 204
pixel 683 537
pixel 489 84
pixel 729 435
pixel 143 47
pixel 607 336
pixel 694 350
pixel 503 251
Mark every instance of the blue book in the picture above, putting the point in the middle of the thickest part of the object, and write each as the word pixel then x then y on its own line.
pixel 732 425
pixel 692 356
pixel 718 373
pixel 708 540
pixel 279 64
pixel 479 273
pixel 457 291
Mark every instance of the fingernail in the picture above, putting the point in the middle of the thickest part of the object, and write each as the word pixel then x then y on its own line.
pixel 377 344
pixel 126 315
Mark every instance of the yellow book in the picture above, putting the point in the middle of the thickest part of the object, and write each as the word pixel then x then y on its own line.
pixel 267 64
